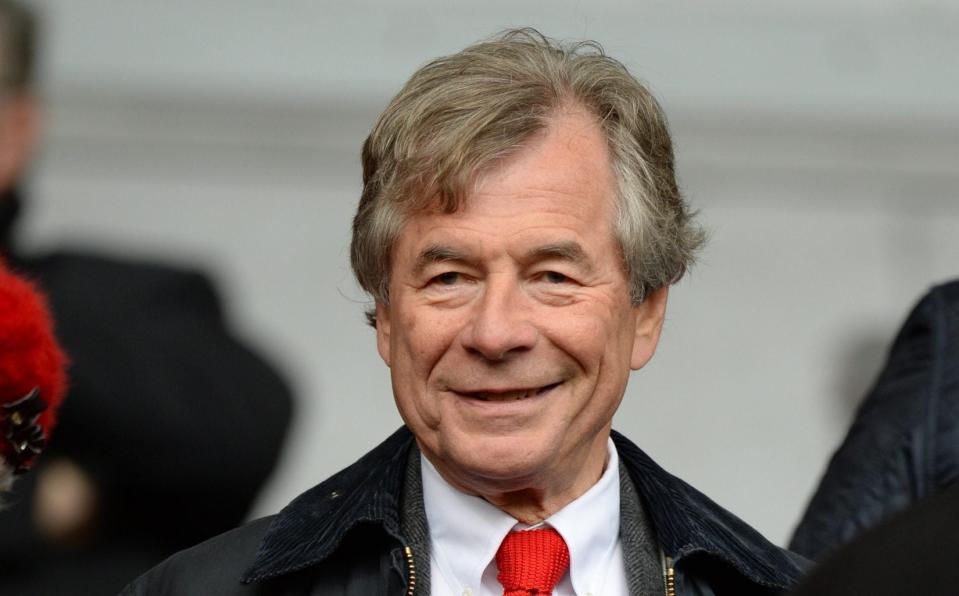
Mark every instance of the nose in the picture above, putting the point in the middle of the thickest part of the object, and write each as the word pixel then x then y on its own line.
pixel 500 324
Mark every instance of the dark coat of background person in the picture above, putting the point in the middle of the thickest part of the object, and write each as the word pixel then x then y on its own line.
pixel 176 422
pixel 914 552
pixel 904 443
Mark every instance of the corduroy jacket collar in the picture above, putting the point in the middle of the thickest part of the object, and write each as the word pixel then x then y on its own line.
pixel 686 522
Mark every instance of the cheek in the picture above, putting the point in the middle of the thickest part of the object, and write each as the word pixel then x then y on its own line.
pixel 422 343
pixel 410 321
pixel 591 335
pixel 419 344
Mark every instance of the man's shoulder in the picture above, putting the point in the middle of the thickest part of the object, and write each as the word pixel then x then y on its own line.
pixel 338 529
pixel 689 524
pixel 211 567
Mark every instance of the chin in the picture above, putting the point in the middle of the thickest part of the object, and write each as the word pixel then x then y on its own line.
pixel 494 464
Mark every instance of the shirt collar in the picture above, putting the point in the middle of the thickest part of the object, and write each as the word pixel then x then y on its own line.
pixel 590 527
pixel 466 531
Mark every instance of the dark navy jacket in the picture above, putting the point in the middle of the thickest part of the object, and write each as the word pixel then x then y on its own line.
pixel 904 442
pixel 344 537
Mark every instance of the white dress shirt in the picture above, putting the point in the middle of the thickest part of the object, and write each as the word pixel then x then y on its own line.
pixel 466 531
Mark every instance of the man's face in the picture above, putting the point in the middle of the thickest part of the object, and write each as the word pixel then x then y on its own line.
pixel 510 333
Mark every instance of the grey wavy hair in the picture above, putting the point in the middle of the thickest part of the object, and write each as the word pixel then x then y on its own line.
pixel 459 114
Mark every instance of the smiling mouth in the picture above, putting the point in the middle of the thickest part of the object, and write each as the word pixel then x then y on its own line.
pixel 515 395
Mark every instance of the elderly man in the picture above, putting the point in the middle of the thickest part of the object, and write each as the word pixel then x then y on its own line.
pixel 518 230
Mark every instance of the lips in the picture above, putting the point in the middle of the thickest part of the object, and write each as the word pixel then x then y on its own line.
pixel 508 395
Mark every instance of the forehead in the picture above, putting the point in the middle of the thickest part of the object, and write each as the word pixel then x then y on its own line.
pixel 568 155
pixel 561 180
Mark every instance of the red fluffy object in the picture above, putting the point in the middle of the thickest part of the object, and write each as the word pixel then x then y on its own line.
pixel 29 354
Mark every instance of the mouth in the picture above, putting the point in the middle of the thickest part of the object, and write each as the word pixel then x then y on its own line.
pixel 509 395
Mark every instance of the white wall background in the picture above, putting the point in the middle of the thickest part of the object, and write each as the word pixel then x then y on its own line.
pixel 818 139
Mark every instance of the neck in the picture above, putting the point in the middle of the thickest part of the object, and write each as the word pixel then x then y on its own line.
pixel 531 506
pixel 528 506
pixel 538 498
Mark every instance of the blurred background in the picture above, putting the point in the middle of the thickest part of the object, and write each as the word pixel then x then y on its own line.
pixel 819 141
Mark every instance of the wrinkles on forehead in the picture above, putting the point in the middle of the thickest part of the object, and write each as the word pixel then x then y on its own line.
pixel 568 251
pixel 565 251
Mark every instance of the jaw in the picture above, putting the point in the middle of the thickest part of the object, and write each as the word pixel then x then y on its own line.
pixel 525 474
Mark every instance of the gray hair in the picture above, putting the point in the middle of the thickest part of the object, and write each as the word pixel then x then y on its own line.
pixel 459 114
pixel 18 30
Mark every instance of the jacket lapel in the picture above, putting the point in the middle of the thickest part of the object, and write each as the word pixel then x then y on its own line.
pixel 688 522
pixel 311 527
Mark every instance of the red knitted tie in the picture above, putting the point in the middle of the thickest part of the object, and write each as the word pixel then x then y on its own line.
pixel 531 562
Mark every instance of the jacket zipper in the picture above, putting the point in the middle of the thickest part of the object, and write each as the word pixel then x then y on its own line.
pixel 669 574
pixel 411 571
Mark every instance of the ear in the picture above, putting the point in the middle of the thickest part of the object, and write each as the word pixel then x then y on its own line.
pixel 649 323
pixel 383 331
pixel 19 129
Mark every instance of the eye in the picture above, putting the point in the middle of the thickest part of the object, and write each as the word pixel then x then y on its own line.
pixel 448 278
pixel 554 277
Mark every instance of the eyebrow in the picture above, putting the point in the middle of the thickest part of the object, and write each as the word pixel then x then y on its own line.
pixel 562 251
pixel 569 251
pixel 436 253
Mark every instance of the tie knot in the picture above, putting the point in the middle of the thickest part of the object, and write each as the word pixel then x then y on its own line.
pixel 531 562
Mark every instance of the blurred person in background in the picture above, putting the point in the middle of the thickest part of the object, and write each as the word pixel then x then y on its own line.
pixel 909 553
pixel 171 425
pixel 32 376
pixel 903 445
